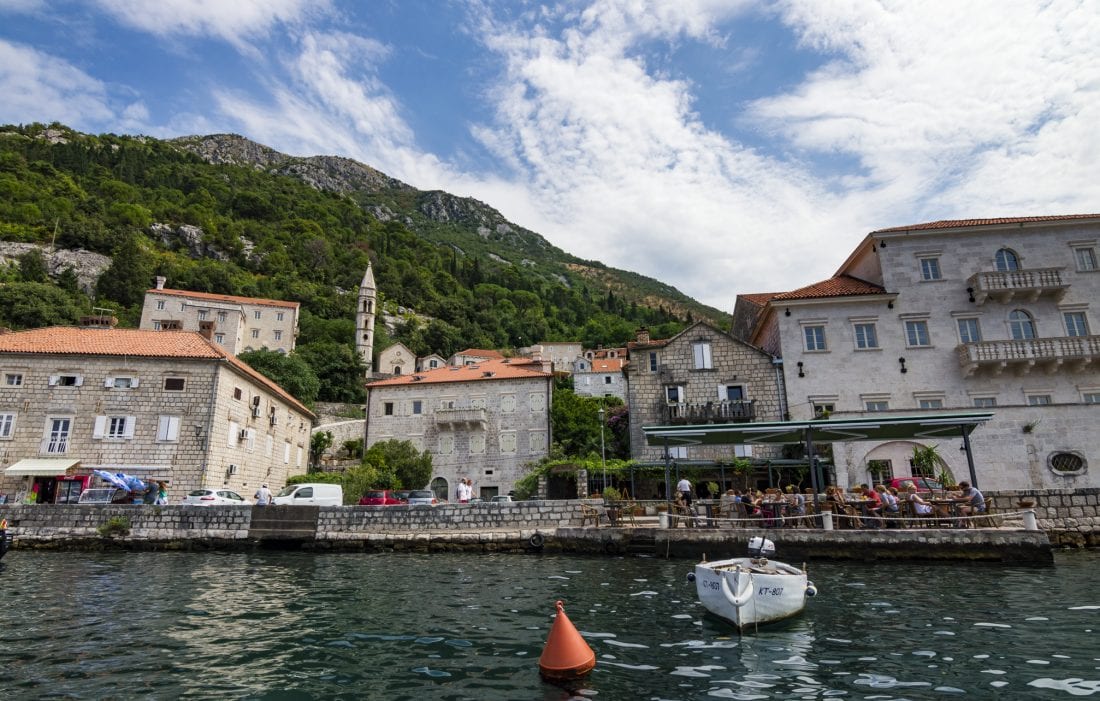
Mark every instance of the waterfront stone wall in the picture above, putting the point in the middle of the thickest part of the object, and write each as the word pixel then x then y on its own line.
pixel 342 523
pixel 1070 516
pixel 58 523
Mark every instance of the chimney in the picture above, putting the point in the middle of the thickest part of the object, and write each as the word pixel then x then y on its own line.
pixel 160 282
pixel 643 335
pixel 98 321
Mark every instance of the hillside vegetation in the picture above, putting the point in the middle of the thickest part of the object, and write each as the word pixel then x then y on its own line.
pixel 223 214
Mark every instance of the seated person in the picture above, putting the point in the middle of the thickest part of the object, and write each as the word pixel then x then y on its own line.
pixel 872 503
pixel 922 507
pixel 973 502
pixel 889 501
pixel 796 503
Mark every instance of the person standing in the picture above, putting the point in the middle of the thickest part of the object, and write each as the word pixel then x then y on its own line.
pixel 463 491
pixel 162 494
pixel 684 487
pixel 263 496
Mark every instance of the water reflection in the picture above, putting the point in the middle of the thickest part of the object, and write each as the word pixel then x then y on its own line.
pixel 288 625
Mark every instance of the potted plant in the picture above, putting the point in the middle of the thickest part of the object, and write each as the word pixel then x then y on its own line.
pixel 612 498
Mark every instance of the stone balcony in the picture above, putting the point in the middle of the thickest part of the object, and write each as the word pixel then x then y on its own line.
pixel 462 416
pixel 722 412
pixel 1025 285
pixel 1045 354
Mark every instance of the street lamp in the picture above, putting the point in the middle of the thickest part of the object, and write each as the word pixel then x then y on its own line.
pixel 603 457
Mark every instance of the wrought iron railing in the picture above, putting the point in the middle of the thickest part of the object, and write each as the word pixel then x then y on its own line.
pixel 718 412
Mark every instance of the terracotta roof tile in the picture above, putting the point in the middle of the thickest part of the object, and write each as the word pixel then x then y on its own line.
pixel 607 364
pixel 759 299
pixel 134 343
pixel 480 353
pixel 488 370
pixel 963 223
pixel 839 286
pixel 231 299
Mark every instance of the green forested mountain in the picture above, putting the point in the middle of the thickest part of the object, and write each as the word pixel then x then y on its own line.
pixel 223 214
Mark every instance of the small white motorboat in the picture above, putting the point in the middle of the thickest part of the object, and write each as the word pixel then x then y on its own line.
pixel 748 591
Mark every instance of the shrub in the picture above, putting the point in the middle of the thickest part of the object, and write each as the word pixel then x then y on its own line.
pixel 115 526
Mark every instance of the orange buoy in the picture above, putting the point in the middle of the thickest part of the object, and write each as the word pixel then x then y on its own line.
pixel 566 655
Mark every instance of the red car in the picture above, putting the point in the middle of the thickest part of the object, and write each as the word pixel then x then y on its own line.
pixel 379 497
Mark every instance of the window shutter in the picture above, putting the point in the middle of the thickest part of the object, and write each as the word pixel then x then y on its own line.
pixel 173 428
pixel 128 429
pixel 109 382
pixel 54 379
pixel 100 427
pixel 79 381
pixel 231 440
pixel 134 382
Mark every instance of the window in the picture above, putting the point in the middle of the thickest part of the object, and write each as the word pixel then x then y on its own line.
pixel 203 314
pixel 255 333
pixel 608 379
pixel 674 394
pixel 1076 324
pixel 969 331
pixel 930 403
pixel 387 409
pixel 13 379
pixel 508 403
pixel 985 402
pixel 7 425
pixel 446 444
pixel 877 405
pixel 536 441
pixel 815 337
pixel 183 306
pixel 222 316
pixel 866 337
pixel 278 316
pixel 477 443
pixel 1091 397
pixel 1038 400
pixel 237 393
pixel 823 410
pixel 66 381
pixel 508 442
pixel 653 362
pixel 731 393
pixel 57 440
pixel 173 384
pixel 418 407
pixel 160 304
pixel 113 427
pixel 1067 463
pixel 679 452
pixel 930 269
pixel 168 429
pixel 881 470
pixel 286 453
pixel 701 353
pixel 121 382
pixel 1006 260
pixel 1021 325
pixel 256 314
pixel 278 335
pixel 117 427
pixel 916 334
pixel 219 338
pixel 1086 259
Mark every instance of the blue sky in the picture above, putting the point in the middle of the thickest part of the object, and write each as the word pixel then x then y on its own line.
pixel 722 146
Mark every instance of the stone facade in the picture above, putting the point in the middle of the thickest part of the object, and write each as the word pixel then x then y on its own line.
pixel 484 422
pixel 1016 342
pixel 700 368
pixel 237 324
pixel 195 421
pixel 597 374
pixel 559 354
pixel 396 360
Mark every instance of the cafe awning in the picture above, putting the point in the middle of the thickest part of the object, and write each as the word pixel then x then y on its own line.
pixel 877 428
pixel 41 467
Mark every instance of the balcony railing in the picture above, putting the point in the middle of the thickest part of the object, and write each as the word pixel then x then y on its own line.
pixel 461 416
pixel 722 412
pixel 1049 354
pixel 1028 285
pixel 57 445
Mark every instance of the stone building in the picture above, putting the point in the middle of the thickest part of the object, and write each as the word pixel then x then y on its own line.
pixel 989 314
pixel 237 324
pixel 397 359
pixel 471 356
pixel 160 405
pixel 701 375
pixel 430 362
pixel 599 373
pixel 484 421
pixel 560 354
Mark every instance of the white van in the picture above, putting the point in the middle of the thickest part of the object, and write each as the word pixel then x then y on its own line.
pixel 310 493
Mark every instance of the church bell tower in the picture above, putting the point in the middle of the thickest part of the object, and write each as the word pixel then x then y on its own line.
pixel 364 320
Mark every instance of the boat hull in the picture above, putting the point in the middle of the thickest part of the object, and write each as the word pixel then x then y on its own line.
pixel 747 592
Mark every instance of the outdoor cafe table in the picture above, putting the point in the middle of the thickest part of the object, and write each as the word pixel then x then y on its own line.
pixel 952 506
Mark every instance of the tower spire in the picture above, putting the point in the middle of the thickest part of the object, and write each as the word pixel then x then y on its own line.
pixel 364 319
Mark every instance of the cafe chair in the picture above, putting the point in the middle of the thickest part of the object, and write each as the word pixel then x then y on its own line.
pixel 590 513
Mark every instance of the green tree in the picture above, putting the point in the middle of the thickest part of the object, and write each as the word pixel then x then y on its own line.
pixel 290 372
pixel 32 266
pixel 339 370
pixel 319 442
pixel 412 468
pixel 28 305
pixel 129 275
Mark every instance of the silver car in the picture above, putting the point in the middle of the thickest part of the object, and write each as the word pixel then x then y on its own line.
pixel 422 497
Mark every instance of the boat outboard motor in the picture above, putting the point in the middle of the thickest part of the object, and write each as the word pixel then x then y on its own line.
pixel 761 547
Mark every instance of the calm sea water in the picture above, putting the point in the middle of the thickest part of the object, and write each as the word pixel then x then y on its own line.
pixel 298 626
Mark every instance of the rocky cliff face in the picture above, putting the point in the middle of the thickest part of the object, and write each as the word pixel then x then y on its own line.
pixel 88 266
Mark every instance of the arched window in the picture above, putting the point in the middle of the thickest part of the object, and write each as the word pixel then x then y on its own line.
pixel 1007 260
pixel 440 488
pixel 1021 325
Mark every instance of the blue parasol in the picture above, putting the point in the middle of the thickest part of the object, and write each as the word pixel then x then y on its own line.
pixel 134 484
pixel 113 480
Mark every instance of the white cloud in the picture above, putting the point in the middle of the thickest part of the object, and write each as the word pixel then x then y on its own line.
pixel 40 87
pixel 234 21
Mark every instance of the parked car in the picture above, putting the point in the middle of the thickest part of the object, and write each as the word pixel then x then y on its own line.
pixel 402 495
pixel 421 497
pixel 923 484
pixel 213 497
pixel 379 497
pixel 310 494
pixel 501 498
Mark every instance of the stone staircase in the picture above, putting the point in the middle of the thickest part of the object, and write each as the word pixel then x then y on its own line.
pixel 283 523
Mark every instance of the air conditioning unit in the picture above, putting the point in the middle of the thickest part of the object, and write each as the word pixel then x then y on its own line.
pixel 232 470
pixel 255 412
pixel 243 434
pixel 274 420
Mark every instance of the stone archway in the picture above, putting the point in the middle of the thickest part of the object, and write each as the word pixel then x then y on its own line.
pixel 441 488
